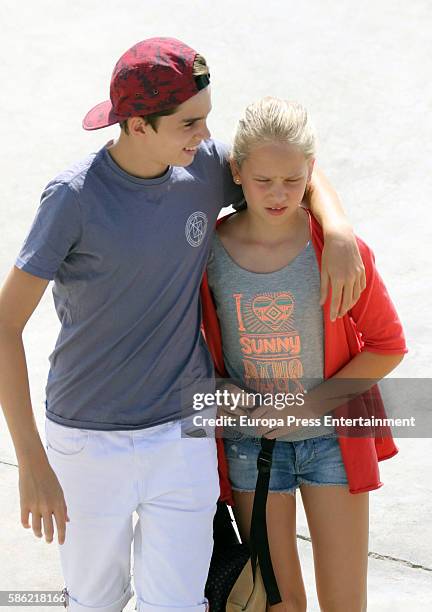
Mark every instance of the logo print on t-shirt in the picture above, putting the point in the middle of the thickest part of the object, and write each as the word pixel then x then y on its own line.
pixel 196 227
pixel 273 310
pixel 270 343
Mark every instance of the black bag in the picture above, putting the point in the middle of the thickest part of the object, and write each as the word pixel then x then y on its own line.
pixel 228 559
pixel 230 555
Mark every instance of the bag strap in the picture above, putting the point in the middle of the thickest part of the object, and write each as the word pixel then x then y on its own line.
pixel 259 544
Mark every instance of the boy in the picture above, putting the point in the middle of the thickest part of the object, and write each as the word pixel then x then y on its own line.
pixel 125 235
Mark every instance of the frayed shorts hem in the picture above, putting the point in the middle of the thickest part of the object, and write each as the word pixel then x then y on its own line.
pixel 321 484
pixel 287 491
pixel 293 491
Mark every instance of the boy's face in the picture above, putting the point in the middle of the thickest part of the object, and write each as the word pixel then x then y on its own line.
pixel 178 136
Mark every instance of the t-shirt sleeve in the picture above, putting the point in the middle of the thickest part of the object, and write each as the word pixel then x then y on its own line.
pixel 375 315
pixel 53 234
pixel 232 193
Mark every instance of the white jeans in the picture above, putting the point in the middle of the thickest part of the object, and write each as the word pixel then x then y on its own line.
pixel 171 482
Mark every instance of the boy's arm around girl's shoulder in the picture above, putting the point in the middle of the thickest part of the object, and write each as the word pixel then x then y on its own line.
pixel 374 315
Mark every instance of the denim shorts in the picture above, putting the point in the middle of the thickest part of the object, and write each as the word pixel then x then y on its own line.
pixel 316 461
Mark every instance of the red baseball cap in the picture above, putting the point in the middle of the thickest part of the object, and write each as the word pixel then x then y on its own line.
pixel 152 76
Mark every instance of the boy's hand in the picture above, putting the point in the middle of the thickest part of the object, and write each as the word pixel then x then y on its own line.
pixel 42 496
pixel 341 268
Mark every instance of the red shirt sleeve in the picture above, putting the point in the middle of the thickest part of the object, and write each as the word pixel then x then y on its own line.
pixel 374 315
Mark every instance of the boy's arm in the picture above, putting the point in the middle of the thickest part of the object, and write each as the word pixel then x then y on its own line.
pixel 40 491
pixel 342 267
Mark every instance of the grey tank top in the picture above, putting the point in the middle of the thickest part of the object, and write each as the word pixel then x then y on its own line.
pixel 272 326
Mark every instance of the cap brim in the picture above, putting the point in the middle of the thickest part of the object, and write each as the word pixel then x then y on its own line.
pixel 100 116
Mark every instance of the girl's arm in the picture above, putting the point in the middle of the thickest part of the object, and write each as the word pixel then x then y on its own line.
pixel 362 373
pixel 40 492
pixel 342 266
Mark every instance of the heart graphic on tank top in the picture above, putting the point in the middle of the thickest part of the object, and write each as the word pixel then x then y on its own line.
pixel 273 309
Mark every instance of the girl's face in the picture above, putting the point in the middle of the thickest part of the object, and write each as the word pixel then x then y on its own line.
pixel 274 178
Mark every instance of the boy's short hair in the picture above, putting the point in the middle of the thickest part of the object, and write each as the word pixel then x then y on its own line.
pixel 200 68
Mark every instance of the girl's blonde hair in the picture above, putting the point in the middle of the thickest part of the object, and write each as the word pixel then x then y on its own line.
pixel 273 120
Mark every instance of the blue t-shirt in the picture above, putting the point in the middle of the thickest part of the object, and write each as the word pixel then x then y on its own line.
pixel 127 256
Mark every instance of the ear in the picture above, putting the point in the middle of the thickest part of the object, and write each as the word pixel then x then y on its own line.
pixel 311 164
pixel 235 171
pixel 137 126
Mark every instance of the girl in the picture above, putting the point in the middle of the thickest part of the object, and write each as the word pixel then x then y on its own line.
pixel 265 327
